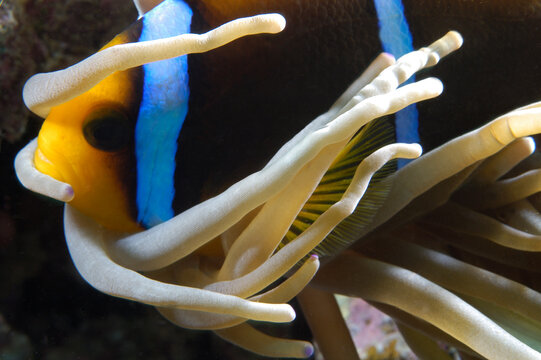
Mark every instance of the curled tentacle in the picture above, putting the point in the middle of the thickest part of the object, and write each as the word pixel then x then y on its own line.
pixel 36 181
pixel 85 243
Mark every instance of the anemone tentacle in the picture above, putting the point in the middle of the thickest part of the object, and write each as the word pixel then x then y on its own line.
pixel 399 287
pixel 44 91
pixel 85 243
pixel 36 181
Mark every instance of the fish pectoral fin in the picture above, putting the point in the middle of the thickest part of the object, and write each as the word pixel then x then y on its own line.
pixel 337 179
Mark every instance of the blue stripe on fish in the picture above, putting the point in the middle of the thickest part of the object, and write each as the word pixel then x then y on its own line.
pixel 396 39
pixel 163 108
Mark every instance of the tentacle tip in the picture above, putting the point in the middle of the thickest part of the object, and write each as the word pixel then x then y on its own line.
pixel 417 150
pixel 290 314
pixel 436 85
pixel 67 193
pixel 308 350
pixel 283 313
pixel 32 85
pixel 456 38
pixel 409 151
pixel 530 143
pixel 314 261
pixel 388 57
pixel 450 42
pixel 276 22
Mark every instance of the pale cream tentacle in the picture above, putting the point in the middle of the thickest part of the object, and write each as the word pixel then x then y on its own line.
pixel 418 324
pixel 84 241
pixel 461 277
pixel 36 181
pixel 524 216
pixel 534 105
pixel 464 220
pixel 433 198
pixel 490 250
pixel 43 91
pixel 354 275
pixel 418 176
pixel 391 77
pixel 502 192
pixel 228 237
pixel 523 328
pixel 292 285
pixel 499 164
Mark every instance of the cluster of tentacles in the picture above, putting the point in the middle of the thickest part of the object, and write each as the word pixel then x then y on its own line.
pixel 457 263
pixel 456 197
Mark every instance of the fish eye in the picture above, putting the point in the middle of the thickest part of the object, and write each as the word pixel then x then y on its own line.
pixel 107 130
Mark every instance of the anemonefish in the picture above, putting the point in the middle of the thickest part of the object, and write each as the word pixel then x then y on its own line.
pixel 150 142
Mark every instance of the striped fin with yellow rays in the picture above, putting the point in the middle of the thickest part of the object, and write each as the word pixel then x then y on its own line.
pixel 334 183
